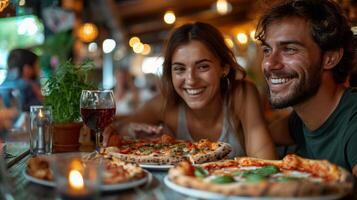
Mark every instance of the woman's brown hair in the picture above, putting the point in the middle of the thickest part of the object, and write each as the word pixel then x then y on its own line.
pixel 214 41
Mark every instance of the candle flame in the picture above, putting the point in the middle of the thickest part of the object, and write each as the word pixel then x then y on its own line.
pixel 76 179
pixel 40 114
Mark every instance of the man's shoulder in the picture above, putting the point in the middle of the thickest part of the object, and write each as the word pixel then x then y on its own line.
pixel 14 83
pixel 351 93
pixel 349 103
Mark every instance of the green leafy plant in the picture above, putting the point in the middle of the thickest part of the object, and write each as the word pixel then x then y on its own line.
pixel 63 90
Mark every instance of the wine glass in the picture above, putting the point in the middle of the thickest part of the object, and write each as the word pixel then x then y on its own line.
pixel 97 111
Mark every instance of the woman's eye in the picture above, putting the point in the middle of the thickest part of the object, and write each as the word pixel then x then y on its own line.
pixel 203 67
pixel 178 69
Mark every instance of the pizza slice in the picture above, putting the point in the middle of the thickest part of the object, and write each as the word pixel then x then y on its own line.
pixel 291 177
pixel 114 170
pixel 167 150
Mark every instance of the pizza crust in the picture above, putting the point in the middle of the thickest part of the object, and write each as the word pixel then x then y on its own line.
pixel 221 151
pixel 149 159
pixel 183 175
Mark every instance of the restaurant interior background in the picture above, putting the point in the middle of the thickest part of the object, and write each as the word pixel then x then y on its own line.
pixel 127 34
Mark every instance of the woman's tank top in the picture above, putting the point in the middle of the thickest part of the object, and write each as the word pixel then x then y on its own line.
pixel 227 135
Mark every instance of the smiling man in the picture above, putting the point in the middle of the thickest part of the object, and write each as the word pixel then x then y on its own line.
pixel 308 55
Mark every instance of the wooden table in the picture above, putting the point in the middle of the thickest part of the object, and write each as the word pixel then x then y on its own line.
pixel 21 188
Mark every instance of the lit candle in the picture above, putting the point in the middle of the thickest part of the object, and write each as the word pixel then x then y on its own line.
pixel 76 180
pixel 76 186
pixel 41 121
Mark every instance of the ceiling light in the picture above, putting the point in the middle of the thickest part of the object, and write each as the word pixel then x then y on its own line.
pixel 87 32
pixel 169 17
pixel 22 2
pixel 223 7
pixel 138 47
pixel 108 45
pixel 146 50
pixel 133 40
pixel 242 38
pixel 92 47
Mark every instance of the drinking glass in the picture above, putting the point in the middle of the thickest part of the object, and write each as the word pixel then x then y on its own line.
pixel 97 111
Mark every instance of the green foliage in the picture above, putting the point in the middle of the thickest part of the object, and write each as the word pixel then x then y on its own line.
pixel 63 90
pixel 58 44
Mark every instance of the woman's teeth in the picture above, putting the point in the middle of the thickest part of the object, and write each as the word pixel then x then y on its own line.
pixel 194 91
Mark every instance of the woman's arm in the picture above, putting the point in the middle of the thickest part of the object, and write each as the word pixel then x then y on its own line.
pixel 258 141
pixel 150 113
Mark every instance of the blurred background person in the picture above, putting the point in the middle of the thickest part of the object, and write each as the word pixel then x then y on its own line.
pixel 7 116
pixel 22 80
pixel 148 87
pixel 125 93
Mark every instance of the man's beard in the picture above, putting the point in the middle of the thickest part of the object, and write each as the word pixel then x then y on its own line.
pixel 301 91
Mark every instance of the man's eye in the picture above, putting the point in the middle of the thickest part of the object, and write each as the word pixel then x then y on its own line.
pixel 266 50
pixel 290 50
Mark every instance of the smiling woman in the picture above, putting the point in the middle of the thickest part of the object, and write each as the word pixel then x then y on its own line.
pixel 204 96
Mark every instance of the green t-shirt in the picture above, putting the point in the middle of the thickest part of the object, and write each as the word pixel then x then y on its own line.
pixel 336 139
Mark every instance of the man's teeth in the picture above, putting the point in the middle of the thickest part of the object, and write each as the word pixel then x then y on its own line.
pixel 279 80
pixel 194 91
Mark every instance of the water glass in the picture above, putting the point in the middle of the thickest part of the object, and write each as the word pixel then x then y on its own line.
pixel 40 130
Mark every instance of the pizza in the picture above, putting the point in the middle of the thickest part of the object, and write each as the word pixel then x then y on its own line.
pixel 292 176
pixel 115 171
pixel 167 150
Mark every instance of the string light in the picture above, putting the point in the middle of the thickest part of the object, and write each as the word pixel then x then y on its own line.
pixel 223 7
pixel 169 17
pixel 133 41
pixel 146 50
pixel 138 47
pixel 87 32
pixel 108 45
pixel 242 38
pixel 22 2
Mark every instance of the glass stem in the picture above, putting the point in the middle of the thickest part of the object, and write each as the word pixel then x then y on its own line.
pixel 98 141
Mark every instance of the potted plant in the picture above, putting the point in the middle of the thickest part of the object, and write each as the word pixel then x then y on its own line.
pixel 63 90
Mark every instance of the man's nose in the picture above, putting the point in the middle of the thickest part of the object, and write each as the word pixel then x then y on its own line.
pixel 272 61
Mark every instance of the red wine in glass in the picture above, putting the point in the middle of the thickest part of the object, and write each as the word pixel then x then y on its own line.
pixel 97 119
pixel 97 111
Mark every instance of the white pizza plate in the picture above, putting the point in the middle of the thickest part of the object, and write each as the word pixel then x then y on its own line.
pixel 109 187
pixel 212 195
pixel 156 167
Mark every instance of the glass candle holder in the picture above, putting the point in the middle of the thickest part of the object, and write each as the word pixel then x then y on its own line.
pixel 40 130
pixel 76 178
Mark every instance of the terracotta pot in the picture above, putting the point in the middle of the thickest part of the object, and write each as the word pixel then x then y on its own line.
pixel 66 137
